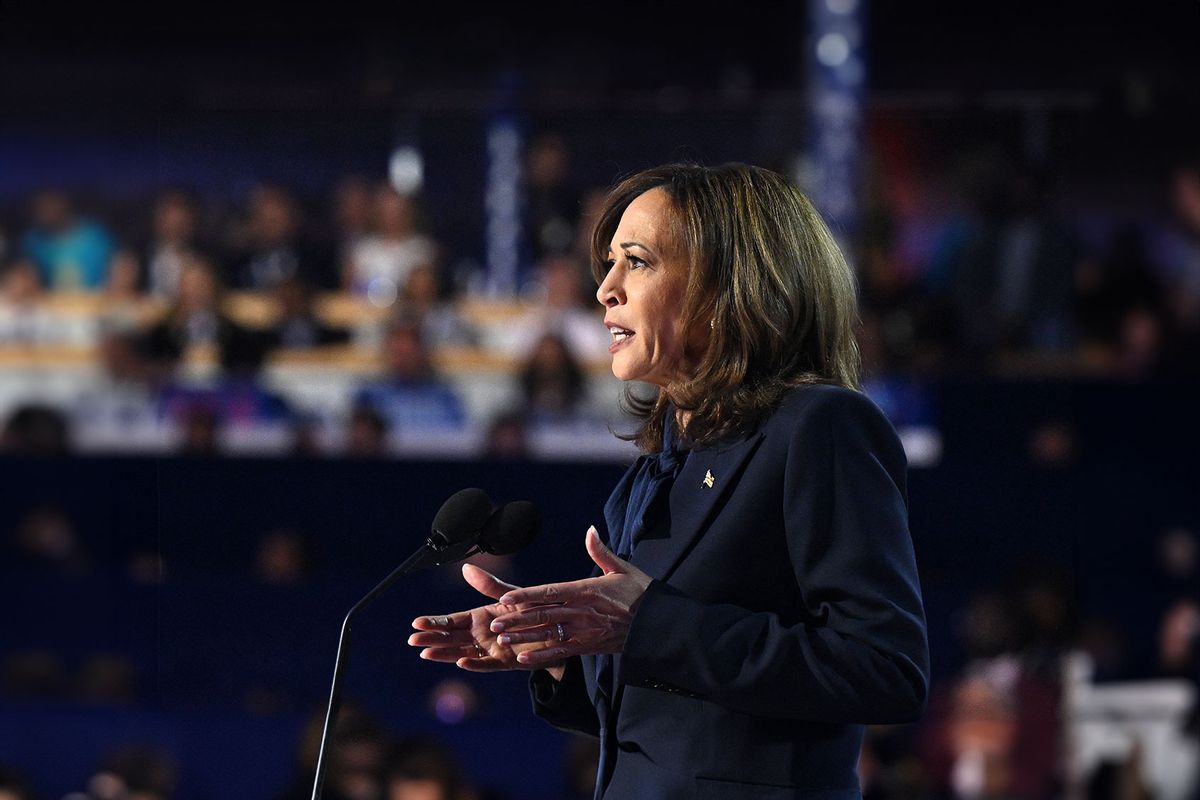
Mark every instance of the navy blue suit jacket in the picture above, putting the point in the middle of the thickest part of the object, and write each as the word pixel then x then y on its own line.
pixel 785 613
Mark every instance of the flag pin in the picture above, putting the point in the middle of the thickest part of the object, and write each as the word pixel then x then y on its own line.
pixel 708 478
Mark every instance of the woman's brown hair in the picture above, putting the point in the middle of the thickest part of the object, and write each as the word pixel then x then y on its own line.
pixel 767 284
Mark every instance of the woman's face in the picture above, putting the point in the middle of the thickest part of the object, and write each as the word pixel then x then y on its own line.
pixel 643 293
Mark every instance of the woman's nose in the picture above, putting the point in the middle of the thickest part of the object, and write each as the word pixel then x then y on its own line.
pixel 610 294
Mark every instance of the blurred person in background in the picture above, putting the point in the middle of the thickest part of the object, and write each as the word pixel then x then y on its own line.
pixel 424 769
pixel 441 324
pixel 1112 290
pixel 284 557
pixel 36 429
pixel 353 213
pixel 298 327
pixel 45 538
pixel 508 437
pixel 173 240
pixel 24 318
pixel 553 387
pixel 410 396
pixel 71 253
pixel 367 435
pixel 992 731
pixel 560 310
pixel 14 785
pixel 269 248
pixel 197 321
pixel 381 262
pixel 135 772
pixel 123 396
pixel 358 751
pixel 551 202
pixel 1003 268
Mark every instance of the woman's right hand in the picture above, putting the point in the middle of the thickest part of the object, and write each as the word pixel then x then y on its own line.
pixel 466 638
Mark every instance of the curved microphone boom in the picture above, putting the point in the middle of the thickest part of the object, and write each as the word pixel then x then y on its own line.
pixel 464 525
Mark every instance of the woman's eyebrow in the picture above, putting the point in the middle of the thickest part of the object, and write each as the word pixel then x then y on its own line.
pixel 627 245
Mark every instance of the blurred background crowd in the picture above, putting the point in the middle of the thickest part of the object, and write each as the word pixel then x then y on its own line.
pixel 272 286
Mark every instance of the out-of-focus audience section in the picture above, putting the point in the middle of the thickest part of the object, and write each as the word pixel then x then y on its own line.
pixel 264 323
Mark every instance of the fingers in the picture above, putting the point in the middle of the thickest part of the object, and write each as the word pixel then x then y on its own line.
pixel 485 582
pixel 459 621
pixel 449 655
pixel 548 593
pixel 604 558
pixel 482 664
pixel 536 616
pixel 545 657
pixel 527 635
pixel 441 639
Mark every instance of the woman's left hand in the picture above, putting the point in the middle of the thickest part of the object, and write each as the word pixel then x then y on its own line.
pixel 580 617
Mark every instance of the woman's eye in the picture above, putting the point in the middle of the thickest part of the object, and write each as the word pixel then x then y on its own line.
pixel 635 262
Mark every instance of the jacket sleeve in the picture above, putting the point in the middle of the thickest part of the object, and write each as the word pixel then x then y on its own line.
pixel 861 654
pixel 564 704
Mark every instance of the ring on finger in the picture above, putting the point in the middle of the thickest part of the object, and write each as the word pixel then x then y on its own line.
pixel 479 650
pixel 562 632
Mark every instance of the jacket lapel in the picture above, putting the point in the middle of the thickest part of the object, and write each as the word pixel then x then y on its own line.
pixel 705 480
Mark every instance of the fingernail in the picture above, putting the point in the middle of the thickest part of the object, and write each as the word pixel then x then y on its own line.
pixel 523 658
pixel 592 529
pixel 505 601
pixel 497 626
pixel 504 638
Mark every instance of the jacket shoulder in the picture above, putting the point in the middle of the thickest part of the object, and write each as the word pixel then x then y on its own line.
pixel 824 403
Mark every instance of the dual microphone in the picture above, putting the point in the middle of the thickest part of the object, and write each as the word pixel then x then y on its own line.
pixel 465 525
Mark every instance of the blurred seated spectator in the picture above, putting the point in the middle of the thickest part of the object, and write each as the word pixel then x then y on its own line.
pixel 1181 250
pixel 994 730
pixel 270 249
pixel 173 240
pixel 1108 290
pixel 123 397
pixel 201 433
pixel 71 253
pixel 507 438
pixel 410 397
pixel 195 320
pixel 423 769
pixel 358 748
pixel 353 212
pixel 14 785
pixel 124 277
pixel 45 537
pixel 298 328
pixel 36 429
pixel 107 679
pixel 367 436
pixel 1002 269
pixel 34 674
pixel 284 558
pixel 380 263
pixel 135 772
pixel 552 384
pixel 551 202
pixel 564 310
pixel 203 411
pixel 24 318
pixel 441 324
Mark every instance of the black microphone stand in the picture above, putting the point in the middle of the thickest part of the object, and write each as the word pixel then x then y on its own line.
pixel 441 551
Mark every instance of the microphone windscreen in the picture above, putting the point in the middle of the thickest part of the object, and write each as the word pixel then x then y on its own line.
pixel 462 517
pixel 513 526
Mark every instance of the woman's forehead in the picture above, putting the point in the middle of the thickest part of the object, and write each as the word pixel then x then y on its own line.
pixel 647 220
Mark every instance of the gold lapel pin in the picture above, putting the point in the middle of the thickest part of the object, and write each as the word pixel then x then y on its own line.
pixel 708 478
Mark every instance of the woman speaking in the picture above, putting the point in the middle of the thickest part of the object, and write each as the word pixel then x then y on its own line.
pixel 756 599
